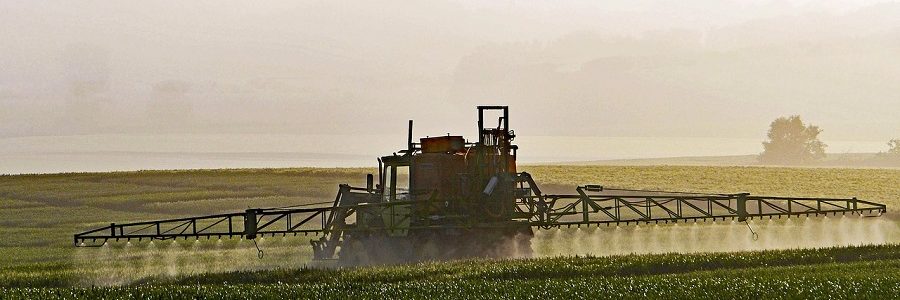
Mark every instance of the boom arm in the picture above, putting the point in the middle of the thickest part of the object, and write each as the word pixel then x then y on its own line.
pixel 545 211
pixel 598 209
pixel 250 223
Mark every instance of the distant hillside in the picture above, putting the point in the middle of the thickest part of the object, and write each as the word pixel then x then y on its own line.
pixel 844 160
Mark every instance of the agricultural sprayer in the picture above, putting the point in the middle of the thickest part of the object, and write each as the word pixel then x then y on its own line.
pixel 445 197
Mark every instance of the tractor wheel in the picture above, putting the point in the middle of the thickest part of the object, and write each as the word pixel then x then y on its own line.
pixel 429 251
pixel 353 253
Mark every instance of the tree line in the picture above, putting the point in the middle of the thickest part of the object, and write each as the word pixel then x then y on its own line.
pixel 790 141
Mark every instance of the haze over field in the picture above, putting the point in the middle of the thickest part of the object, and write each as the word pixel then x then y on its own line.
pixel 649 69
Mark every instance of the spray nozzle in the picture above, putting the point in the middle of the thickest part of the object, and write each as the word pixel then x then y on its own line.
pixel 259 252
pixel 754 234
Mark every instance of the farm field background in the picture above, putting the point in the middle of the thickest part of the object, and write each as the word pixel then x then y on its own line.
pixel 39 214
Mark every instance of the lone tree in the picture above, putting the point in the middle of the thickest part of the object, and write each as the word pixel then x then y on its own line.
pixel 894 147
pixel 792 142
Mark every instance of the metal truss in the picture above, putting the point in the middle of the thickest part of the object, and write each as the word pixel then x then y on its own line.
pixel 599 209
pixel 589 207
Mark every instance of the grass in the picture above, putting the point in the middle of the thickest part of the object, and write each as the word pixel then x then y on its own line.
pixel 852 272
pixel 552 268
pixel 39 214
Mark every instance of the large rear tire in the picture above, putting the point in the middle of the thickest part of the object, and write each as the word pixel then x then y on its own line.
pixel 437 245
pixel 353 252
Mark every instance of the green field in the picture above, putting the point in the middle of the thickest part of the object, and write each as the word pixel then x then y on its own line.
pixel 39 214
pixel 870 272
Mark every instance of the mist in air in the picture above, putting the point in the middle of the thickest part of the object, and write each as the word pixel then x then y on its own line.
pixel 181 72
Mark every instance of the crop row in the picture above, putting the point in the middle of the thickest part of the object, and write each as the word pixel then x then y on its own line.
pixel 861 280
pixel 555 267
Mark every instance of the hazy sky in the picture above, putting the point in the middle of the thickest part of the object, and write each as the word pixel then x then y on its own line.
pixel 697 68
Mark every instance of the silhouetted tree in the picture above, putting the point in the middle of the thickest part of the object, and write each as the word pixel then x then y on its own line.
pixel 894 147
pixel 792 142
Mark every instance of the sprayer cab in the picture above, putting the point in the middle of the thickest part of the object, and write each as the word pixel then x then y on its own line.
pixel 447 176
